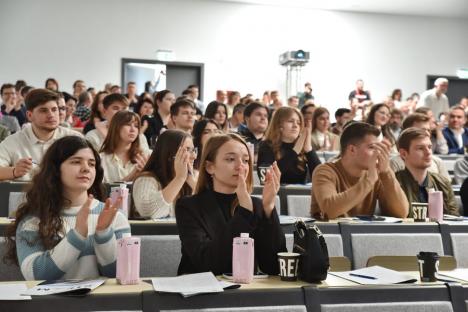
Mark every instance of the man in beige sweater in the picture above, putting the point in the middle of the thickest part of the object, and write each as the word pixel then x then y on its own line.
pixel 352 185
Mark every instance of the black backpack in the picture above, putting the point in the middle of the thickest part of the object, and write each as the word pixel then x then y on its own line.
pixel 310 244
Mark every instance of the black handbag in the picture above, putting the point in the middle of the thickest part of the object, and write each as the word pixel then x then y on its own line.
pixel 310 244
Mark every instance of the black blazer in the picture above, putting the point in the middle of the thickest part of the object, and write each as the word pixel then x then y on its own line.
pixel 207 238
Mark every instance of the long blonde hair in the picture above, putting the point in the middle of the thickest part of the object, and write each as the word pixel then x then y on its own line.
pixel 273 133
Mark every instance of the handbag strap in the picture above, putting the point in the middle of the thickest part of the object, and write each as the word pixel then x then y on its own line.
pixel 301 228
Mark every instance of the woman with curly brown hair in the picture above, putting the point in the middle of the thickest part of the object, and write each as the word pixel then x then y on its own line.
pixel 379 116
pixel 63 231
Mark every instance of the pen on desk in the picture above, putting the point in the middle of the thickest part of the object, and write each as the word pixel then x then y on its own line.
pixel 363 276
pixel 446 280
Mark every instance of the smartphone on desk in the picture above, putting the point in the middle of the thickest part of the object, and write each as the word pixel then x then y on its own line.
pixel 370 218
pixel 258 275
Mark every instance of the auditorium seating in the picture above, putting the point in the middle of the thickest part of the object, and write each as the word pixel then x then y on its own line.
pixel 299 205
pixel 365 246
pixel 160 255
pixel 8 272
pixel 459 243
pixel 291 200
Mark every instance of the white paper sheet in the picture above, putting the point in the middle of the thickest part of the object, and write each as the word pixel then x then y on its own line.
pixel 226 284
pixel 460 274
pixel 63 287
pixel 188 285
pixel 13 292
pixel 386 220
pixel 455 218
pixel 377 275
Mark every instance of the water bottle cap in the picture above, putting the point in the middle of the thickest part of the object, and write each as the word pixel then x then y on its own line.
pixel 244 235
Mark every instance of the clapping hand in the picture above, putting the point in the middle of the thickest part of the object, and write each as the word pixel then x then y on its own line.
pixel 140 163
pixel 81 225
pixel 304 141
pixel 181 160
pixel 271 188
pixel 383 155
pixel 192 176
pixel 379 162
pixel 108 213
pixel 141 160
pixel 243 194
pixel 299 145
pixel 372 171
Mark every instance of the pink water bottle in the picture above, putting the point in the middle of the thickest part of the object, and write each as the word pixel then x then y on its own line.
pixel 128 260
pixel 122 191
pixel 436 206
pixel 243 259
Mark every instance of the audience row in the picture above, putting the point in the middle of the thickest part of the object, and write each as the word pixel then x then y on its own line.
pixel 201 173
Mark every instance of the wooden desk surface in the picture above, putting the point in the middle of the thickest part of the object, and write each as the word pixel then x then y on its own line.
pixel 6 221
pixel 273 282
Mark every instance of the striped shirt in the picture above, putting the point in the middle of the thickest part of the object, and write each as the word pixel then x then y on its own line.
pixel 74 257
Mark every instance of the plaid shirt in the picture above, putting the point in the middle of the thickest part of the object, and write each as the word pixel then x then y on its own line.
pixel 82 112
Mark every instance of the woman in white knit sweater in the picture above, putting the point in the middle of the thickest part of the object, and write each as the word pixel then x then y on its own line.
pixel 168 175
pixel 63 231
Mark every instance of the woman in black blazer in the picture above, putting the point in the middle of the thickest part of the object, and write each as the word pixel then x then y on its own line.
pixel 222 208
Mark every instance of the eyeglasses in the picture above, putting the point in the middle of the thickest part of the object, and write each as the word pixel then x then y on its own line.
pixel 193 150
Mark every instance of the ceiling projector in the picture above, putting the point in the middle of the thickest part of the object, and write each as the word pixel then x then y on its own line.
pixel 294 58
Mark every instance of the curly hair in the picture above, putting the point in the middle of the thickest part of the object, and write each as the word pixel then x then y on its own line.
pixel 385 128
pixel 44 198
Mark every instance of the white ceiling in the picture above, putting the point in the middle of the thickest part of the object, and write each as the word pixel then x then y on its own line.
pixel 441 8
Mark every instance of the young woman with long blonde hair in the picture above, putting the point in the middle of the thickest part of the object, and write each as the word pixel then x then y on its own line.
pixel 288 142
